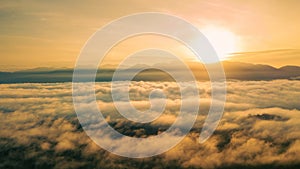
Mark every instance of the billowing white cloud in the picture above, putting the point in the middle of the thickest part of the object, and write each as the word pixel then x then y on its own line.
pixel 260 127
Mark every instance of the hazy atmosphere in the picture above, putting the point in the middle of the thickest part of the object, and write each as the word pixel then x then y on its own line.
pixel 246 101
pixel 51 33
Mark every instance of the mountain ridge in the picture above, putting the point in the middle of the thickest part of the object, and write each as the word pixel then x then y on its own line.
pixel 233 70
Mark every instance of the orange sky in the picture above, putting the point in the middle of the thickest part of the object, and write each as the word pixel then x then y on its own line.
pixel 51 33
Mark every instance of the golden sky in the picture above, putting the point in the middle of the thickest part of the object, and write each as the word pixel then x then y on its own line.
pixel 51 33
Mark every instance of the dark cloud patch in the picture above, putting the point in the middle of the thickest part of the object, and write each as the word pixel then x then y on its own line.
pixel 269 117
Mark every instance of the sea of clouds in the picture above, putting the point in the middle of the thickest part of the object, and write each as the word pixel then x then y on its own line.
pixel 260 127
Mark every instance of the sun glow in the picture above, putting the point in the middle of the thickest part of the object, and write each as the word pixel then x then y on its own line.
pixel 223 41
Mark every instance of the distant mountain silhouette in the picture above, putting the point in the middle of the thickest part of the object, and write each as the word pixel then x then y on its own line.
pixel 233 70
pixel 246 71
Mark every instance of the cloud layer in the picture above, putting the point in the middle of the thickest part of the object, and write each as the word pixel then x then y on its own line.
pixel 259 129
